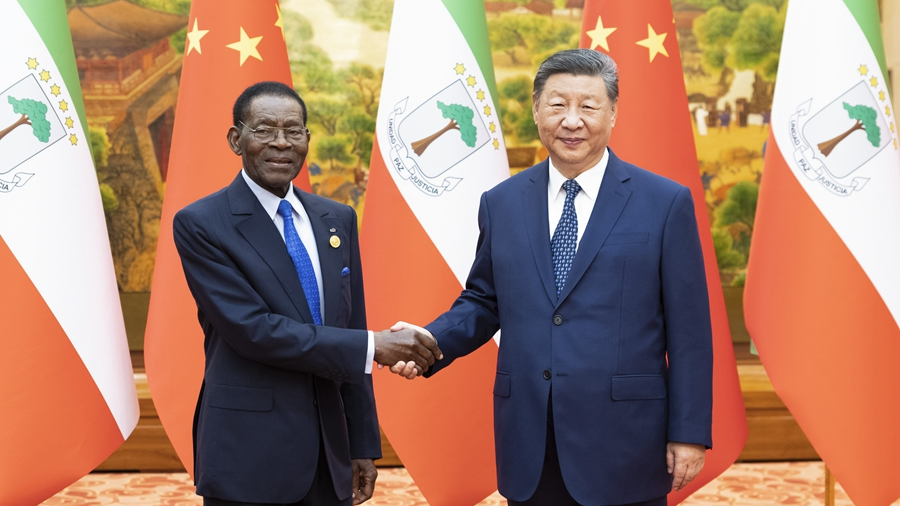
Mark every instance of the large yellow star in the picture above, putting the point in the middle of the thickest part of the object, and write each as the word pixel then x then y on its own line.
pixel 892 127
pixel 55 91
pixel 246 46
pixel 654 42
pixel 460 69
pixel 73 139
pixel 881 96
pixel 479 94
pixel 873 81
pixel 45 76
pixel 280 22
pixel 887 110
pixel 69 122
pixel 492 127
pixel 496 144
pixel 194 37
pixel 63 106
pixel 471 81
pixel 32 63
pixel 599 34
pixel 487 110
pixel 895 143
pixel 863 70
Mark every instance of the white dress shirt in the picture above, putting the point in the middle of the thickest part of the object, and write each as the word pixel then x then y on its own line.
pixel 589 181
pixel 270 202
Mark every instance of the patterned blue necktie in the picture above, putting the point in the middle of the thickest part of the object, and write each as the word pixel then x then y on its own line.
pixel 565 237
pixel 301 260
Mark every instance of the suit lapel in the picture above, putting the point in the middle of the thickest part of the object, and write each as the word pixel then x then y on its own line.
pixel 259 230
pixel 330 258
pixel 537 223
pixel 608 207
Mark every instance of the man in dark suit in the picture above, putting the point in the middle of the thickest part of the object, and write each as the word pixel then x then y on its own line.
pixel 593 270
pixel 286 413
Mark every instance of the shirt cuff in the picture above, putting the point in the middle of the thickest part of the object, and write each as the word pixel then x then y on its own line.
pixel 370 352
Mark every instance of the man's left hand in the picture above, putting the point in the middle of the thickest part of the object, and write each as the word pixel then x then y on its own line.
pixel 364 475
pixel 684 462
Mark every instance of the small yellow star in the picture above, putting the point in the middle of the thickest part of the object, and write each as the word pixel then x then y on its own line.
pixel 887 110
pixel 892 127
pixel 496 144
pixel 45 76
pixel 32 63
pixel 599 34
pixel 881 96
pixel 873 81
pixel 654 42
pixel 895 143
pixel 73 139
pixel 863 70
pixel 471 81
pixel 492 127
pixel 487 110
pixel 63 106
pixel 246 46
pixel 280 22
pixel 69 122
pixel 460 69
pixel 194 37
pixel 479 94
pixel 55 91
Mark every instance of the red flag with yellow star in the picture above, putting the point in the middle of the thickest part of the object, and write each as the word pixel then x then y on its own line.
pixel 653 131
pixel 231 44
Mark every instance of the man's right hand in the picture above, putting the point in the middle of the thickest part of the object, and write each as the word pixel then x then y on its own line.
pixel 407 345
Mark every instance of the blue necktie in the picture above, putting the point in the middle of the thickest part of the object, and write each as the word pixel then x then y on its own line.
pixel 565 237
pixel 301 260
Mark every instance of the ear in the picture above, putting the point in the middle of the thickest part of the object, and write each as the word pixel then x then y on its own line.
pixel 234 136
pixel 615 113
pixel 535 99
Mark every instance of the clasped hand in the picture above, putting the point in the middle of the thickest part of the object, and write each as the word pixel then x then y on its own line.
pixel 407 349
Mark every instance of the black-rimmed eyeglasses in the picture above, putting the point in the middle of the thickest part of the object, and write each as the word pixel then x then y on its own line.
pixel 268 134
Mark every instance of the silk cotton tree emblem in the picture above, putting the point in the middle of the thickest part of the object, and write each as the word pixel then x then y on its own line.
pixel 429 142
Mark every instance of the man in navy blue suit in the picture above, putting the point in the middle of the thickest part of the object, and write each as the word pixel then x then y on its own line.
pixel 593 270
pixel 286 413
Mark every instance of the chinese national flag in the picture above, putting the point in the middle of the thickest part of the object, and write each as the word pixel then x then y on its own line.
pixel 231 44
pixel 653 131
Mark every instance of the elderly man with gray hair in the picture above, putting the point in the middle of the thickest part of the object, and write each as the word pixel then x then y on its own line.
pixel 593 269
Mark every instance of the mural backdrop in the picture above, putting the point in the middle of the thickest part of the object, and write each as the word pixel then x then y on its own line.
pixel 129 55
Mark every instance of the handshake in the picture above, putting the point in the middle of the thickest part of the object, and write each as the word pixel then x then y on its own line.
pixel 407 349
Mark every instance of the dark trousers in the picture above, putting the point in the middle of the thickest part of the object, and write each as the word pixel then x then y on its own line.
pixel 551 490
pixel 321 492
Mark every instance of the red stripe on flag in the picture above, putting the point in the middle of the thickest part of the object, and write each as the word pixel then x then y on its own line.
pixel 653 131
pixel 201 163
pixel 55 426
pixel 827 340
pixel 441 427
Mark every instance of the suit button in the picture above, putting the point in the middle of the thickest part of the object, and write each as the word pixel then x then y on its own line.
pixel 557 320
pixel 546 375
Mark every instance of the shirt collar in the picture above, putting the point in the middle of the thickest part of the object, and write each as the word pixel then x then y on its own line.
pixel 269 200
pixel 589 180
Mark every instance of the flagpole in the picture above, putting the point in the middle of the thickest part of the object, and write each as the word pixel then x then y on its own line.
pixel 829 487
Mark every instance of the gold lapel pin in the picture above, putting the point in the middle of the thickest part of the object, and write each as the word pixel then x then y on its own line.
pixel 335 241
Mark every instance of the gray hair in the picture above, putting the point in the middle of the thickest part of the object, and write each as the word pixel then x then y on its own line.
pixel 579 62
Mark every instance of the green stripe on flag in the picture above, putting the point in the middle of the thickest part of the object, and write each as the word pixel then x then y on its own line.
pixel 472 23
pixel 866 14
pixel 52 24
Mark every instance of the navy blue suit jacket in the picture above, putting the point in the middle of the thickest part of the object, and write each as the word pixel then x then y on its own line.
pixel 636 293
pixel 275 386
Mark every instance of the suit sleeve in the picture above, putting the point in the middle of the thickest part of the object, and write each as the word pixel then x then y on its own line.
pixel 231 307
pixel 473 319
pixel 359 399
pixel 688 329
